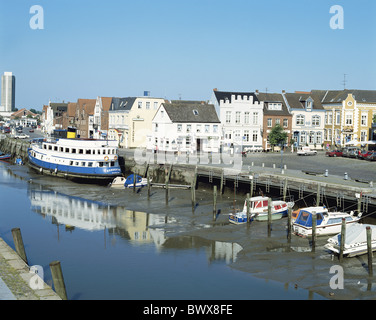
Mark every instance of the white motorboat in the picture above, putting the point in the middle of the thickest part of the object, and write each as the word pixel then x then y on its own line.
pixel 259 210
pixel 355 240
pixel 328 223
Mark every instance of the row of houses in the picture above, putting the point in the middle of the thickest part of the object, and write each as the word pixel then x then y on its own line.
pixel 319 119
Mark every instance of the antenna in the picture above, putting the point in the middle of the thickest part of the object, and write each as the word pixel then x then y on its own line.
pixel 344 81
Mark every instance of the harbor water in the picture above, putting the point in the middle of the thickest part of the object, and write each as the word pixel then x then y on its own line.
pixel 109 252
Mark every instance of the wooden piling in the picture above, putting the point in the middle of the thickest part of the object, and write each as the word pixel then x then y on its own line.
pixel 18 242
pixel 134 181
pixel 314 225
pixel 284 189
pixel 289 213
pixel 214 203
pixel 193 196
pixel 360 203
pixel 318 195
pixel 248 210
pixel 343 238
pixel 369 251
pixel 58 279
pixel 269 216
pixel 251 188
pixel 149 184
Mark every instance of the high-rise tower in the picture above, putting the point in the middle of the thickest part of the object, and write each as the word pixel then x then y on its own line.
pixel 8 92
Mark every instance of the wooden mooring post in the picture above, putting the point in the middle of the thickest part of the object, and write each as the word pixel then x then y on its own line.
pixel 214 203
pixel 58 279
pixel 289 213
pixel 343 238
pixel 149 184
pixel 314 225
pixel 269 217
pixel 18 242
pixel 369 251
pixel 248 210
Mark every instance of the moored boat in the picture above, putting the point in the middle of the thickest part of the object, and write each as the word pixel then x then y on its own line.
pixel 71 158
pixel 140 182
pixel 355 240
pixel 327 223
pixel 259 210
pixel 5 156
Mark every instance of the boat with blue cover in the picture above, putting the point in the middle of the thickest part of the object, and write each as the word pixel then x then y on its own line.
pixel 327 222
pixel 4 156
pixel 76 159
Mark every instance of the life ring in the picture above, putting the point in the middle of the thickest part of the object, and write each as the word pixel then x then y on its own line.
pixel 106 158
pixel 115 158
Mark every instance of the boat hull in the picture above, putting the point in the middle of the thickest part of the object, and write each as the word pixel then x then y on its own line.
pixel 102 175
pixel 324 230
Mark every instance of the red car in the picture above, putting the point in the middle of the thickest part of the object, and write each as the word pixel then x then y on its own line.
pixel 364 154
pixel 334 153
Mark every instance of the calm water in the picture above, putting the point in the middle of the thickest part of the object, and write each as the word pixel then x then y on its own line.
pixel 110 252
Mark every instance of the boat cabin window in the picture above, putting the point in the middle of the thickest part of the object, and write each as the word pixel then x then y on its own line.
pixel 61 149
pixel 67 150
pixel 89 164
pixel 55 148
pixel 73 150
pixel 88 151
pixel 49 147
pixel 80 151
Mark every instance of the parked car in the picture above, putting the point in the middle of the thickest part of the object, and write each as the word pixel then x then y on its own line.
pixel 350 152
pixel 372 156
pixel 21 136
pixel 306 151
pixel 334 153
pixel 364 154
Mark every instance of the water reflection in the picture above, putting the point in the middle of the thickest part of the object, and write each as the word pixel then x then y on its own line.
pixel 136 227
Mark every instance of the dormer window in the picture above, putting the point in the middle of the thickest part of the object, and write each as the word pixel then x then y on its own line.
pixel 274 106
pixel 195 112
pixel 309 104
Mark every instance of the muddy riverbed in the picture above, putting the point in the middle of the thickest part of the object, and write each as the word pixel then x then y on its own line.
pixel 271 257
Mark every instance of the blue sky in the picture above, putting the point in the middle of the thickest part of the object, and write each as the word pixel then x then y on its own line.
pixel 184 48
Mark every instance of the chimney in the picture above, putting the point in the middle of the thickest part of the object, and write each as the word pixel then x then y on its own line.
pixel 215 89
pixel 257 91
pixel 283 91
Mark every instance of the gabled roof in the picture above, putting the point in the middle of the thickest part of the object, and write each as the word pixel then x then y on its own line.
pixel 22 112
pixel 72 109
pixel 337 96
pixel 191 113
pixel 87 105
pixel 106 103
pixel 227 95
pixel 297 100
pixel 267 98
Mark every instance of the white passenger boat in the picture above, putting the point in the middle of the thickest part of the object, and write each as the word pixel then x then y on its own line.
pixel 76 159
pixel 259 210
pixel 355 240
pixel 328 223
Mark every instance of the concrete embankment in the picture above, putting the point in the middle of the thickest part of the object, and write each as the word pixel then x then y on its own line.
pixel 16 147
pixel 16 280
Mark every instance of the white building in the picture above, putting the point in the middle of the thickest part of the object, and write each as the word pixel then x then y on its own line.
pixel 241 116
pixel 185 127
pixel 8 92
pixel 308 119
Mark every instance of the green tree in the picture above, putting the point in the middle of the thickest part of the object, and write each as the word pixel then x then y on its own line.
pixel 277 136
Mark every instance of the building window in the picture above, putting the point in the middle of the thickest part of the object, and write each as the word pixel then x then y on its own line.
pixel 278 121
pixel 349 119
pixel 215 128
pixel 269 122
pixel 155 105
pixel 255 118
pixel 198 128
pixel 363 135
pixel 316 121
pixel 180 127
pixel 246 135
pixel 299 120
pixel 147 105
pixel 237 117
pixel 246 117
pixel 338 117
pixel 302 137
pixel 207 128
pixel 254 136
pixel 285 123
pixel 156 127
pixel 318 137
pixel 329 117
pixel 311 137
pixel 189 127
pixel 228 116
pixel 140 104
pixel 364 119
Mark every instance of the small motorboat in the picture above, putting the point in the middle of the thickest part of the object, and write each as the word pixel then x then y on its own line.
pixel 355 240
pixel 5 156
pixel 327 223
pixel 140 182
pixel 258 210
